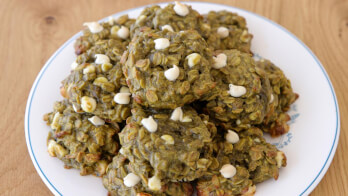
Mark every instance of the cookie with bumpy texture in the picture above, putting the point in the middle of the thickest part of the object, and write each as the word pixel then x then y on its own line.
pixel 213 183
pixel 282 97
pixel 217 185
pixel 112 48
pixel 78 142
pixel 248 107
pixel 92 87
pixel 256 159
pixel 174 149
pixel 109 31
pixel 144 19
pixel 168 16
pixel 159 18
pixel 227 31
pixel 161 74
pixel 120 167
pixel 262 159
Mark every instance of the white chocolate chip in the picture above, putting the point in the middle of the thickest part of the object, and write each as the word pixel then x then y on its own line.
pixel 172 74
pixel 111 20
pixel 193 59
pixel 168 28
pixel 177 114
pixel 186 119
pixel 222 32
pixel 236 91
pixel 74 65
pixel 154 184
pixel 121 151
pixel 101 59
pixel 161 43
pixel 168 139
pixel 232 137
pixel 94 27
pixel 124 89
pixel 131 180
pixel 279 158
pixel 122 98
pixel 150 124
pixel 228 171
pixel 271 99
pixel 180 9
pixel 55 120
pixel 88 104
pixel 257 140
pixel 89 69
pixel 220 61
pixel 95 120
pixel 123 32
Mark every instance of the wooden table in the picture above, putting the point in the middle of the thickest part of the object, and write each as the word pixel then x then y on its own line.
pixel 31 31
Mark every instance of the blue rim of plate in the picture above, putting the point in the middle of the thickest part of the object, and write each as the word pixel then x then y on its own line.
pixel 309 188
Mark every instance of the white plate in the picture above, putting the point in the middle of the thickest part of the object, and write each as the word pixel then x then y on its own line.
pixel 309 146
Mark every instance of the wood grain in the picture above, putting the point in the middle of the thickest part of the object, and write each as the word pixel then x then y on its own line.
pixel 32 30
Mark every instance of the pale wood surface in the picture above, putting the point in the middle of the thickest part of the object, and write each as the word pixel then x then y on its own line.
pixel 31 31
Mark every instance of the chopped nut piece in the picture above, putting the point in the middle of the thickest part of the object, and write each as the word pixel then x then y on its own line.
pixel 95 120
pixel 54 124
pixel 54 149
